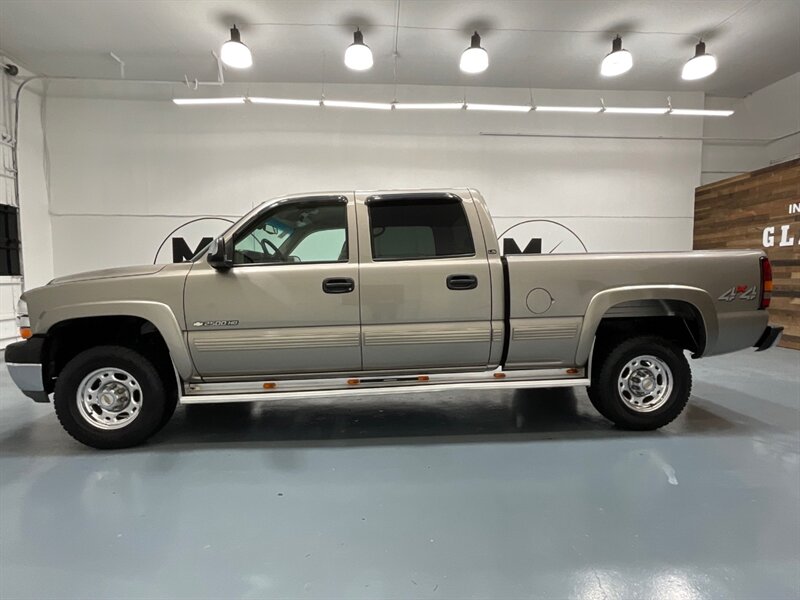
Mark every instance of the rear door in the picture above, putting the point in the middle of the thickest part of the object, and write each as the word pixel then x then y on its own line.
pixel 425 284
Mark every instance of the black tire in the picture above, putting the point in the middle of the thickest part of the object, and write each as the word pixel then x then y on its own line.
pixel 153 397
pixel 602 348
pixel 594 398
pixel 607 398
pixel 170 404
pixel 170 397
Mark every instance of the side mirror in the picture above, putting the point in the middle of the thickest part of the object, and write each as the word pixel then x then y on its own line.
pixel 219 255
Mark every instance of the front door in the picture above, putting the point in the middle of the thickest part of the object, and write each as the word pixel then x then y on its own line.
pixel 289 304
pixel 425 285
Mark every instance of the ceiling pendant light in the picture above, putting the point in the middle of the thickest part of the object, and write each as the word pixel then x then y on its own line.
pixel 234 53
pixel 358 56
pixel 616 62
pixel 700 65
pixel 474 59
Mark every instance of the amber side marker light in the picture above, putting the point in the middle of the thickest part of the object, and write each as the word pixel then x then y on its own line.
pixel 269 385
pixel 25 333
pixel 572 371
pixel 353 381
pixel 766 283
pixel 499 375
pixel 423 378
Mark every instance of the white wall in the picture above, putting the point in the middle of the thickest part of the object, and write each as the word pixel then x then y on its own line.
pixel 35 224
pixel 126 172
pixel 10 287
pixel 35 232
pixel 768 114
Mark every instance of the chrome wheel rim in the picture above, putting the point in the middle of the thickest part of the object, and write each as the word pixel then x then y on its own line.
pixel 109 398
pixel 645 383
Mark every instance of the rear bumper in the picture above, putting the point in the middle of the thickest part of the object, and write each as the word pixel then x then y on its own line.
pixel 770 337
pixel 23 360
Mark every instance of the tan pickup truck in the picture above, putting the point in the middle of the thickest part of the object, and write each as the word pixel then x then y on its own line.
pixel 340 294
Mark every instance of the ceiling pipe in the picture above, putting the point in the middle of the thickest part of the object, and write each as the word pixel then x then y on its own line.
pixel 708 140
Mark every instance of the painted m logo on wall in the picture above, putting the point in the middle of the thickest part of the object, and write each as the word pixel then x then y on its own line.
pixel 182 252
pixel 188 239
pixel 541 236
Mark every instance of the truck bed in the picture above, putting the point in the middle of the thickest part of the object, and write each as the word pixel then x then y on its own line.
pixel 555 302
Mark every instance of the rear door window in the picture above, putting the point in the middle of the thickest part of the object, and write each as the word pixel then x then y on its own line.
pixel 419 228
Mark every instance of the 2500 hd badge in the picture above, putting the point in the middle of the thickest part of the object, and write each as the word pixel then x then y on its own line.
pixel 215 323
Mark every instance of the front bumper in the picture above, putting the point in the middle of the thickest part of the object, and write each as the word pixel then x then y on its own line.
pixel 770 337
pixel 23 360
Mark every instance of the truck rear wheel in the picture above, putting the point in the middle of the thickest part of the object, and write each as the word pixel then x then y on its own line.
pixel 641 383
pixel 110 397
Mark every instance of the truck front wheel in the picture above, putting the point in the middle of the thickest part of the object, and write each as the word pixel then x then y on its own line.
pixel 641 383
pixel 110 397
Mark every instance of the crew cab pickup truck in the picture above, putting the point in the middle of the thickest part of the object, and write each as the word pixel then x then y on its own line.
pixel 340 294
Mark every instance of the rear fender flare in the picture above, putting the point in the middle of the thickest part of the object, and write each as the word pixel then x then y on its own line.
pixel 602 301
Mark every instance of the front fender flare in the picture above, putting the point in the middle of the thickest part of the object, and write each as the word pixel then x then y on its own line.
pixel 157 313
pixel 602 301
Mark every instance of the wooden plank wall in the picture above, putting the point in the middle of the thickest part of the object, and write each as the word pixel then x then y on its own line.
pixel 733 213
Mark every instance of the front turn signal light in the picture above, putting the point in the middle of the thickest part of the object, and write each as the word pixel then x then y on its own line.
pixel 23 320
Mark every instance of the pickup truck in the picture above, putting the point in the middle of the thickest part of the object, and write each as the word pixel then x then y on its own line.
pixel 341 294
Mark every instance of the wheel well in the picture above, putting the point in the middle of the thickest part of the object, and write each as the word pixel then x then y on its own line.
pixel 675 320
pixel 68 338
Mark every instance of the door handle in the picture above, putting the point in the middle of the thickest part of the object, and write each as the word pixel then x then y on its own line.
pixel 462 282
pixel 338 285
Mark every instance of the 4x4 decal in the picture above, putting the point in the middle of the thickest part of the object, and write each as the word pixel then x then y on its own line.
pixel 742 292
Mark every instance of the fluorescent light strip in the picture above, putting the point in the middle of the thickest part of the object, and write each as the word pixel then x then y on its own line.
pixel 429 105
pixel 519 108
pixel 199 101
pixel 353 104
pixel 693 112
pixel 571 109
pixel 283 101
pixel 621 110
pixel 499 107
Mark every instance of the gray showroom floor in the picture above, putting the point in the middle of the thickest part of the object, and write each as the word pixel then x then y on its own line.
pixel 497 495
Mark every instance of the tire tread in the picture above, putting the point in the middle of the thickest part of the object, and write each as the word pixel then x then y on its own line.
pixel 603 392
pixel 145 425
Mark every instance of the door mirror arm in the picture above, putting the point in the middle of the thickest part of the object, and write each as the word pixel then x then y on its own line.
pixel 220 254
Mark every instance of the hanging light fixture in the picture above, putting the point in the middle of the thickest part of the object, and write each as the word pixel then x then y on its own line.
pixel 616 62
pixel 234 53
pixel 358 56
pixel 474 59
pixel 700 65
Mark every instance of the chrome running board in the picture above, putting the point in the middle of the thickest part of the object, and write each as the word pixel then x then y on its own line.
pixel 210 393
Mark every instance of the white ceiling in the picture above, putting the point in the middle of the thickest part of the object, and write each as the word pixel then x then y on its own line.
pixel 536 43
